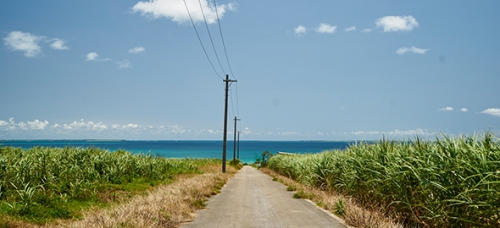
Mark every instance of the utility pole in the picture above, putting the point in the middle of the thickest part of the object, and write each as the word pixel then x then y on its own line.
pixel 238 144
pixel 234 142
pixel 227 81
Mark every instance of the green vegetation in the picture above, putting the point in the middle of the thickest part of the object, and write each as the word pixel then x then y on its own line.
pixel 265 158
pixel 448 182
pixel 340 207
pixel 44 183
pixel 262 162
pixel 303 195
pixel 291 188
pixel 236 163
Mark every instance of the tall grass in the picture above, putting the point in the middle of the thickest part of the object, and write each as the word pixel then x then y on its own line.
pixel 47 182
pixel 449 182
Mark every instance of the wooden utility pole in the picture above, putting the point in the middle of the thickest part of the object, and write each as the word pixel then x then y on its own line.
pixel 234 142
pixel 224 143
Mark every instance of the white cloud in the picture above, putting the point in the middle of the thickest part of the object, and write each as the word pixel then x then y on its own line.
pixel 300 30
pixel 90 129
pixel 58 44
pixel 326 28
pixel 366 132
pixel 130 126
pixel 28 125
pixel 93 56
pixel 124 64
pixel 396 132
pixel 289 133
pixel 29 43
pixel 176 10
pixel 99 126
pixel 367 30
pixel 449 109
pixel 246 131
pixel 411 49
pixel 350 29
pixel 446 109
pixel 397 23
pixel 136 50
pixel 37 124
pixel 25 42
pixel 492 111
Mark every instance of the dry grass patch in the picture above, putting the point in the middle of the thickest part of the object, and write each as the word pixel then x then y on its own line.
pixel 164 206
pixel 344 207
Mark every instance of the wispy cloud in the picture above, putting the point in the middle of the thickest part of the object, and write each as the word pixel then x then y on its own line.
pixel 93 56
pixel 350 29
pixel 326 28
pixel 176 10
pixel 24 42
pixel 80 125
pixel 90 129
pixel 58 44
pixel 397 23
pixel 28 125
pixel 492 111
pixel 136 50
pixel 124 64
pixel 30 43
pixel 299 30
pixel 396 132
pixel 446 109
pixel 367 30
pixel 411 49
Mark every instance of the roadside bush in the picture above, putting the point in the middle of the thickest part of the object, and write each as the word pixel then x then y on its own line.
pixel 449 182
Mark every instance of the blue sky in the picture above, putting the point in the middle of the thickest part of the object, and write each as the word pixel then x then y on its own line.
pixel 322 70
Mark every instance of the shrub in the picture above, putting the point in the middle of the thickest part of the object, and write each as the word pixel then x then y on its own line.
pixel 448 182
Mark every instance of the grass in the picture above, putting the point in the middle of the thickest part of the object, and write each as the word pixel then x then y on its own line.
pixel 448 182
pixel 353 213
pixel 43 184
pixel 165 205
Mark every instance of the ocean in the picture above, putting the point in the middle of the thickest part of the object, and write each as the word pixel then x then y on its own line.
pixel 249 151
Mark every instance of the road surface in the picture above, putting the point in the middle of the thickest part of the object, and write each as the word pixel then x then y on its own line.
pixel 253 199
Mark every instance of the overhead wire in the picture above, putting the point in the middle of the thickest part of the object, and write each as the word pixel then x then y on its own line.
pixel 237 103
pixel 215 51
pixel 232 104
pixel 210 35
pixel 227 58
pixel 223 42
pixel 199 39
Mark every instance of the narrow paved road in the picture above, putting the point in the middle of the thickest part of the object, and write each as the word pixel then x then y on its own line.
pixel 253 199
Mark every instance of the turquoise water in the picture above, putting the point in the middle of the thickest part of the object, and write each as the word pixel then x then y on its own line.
pixel 249 151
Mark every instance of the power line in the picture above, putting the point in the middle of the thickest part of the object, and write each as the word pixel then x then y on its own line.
pixel 199 39
pixel 222 37
pixel 210 35
pixel 232 104
pixel 227 58
pixel 237 103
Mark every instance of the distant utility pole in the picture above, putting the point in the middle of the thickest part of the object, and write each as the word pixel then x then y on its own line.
pixel 238 144
pixel 227 81
pixel 234 142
